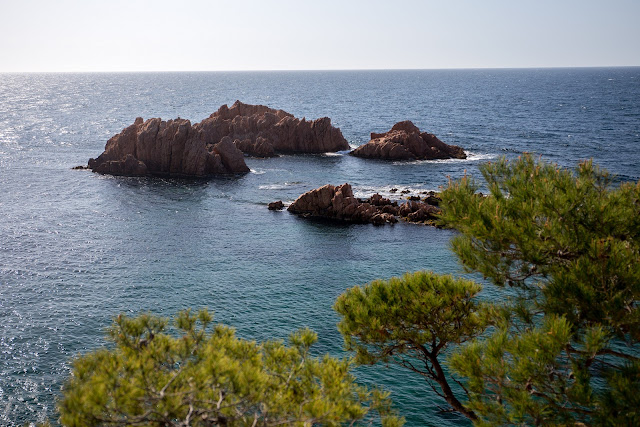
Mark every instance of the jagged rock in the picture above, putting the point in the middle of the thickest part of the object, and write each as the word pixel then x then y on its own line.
pixel 276 206
pixel 337 202
pixel 416 211
pixel 383 218
pixel 168 148
pixel 378 200
pixel 433 199
pixel 261 131
pixel 231 157
pixel 405 142
pixel 215 145
pixel 129 166
pixel 332 202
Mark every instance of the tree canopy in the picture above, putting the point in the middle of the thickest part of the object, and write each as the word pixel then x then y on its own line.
pixel 560 346
pixel 197 377
pixel 565 348
pixel 411 320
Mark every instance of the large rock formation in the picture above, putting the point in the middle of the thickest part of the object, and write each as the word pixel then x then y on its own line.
pixel 338 202
pixel 405 142
pixel 171 148
pixel 215 145
pixel 262 131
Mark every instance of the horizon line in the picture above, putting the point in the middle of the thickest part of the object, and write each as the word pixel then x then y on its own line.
pixel 315 70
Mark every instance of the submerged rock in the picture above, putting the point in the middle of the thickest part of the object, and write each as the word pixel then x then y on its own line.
pixel 405 142
pixel 215 145
pixel 338 203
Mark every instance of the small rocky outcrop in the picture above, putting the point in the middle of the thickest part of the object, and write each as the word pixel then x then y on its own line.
pixel 215 145
pixel 405 142
pixel 276 206
pixel 338 203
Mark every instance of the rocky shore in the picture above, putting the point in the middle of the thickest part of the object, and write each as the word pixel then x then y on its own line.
pixel 339 203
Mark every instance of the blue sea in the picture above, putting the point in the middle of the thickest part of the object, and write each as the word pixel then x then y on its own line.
pixel 77 248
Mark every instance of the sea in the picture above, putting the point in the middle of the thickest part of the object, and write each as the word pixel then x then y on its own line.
pixel 78 248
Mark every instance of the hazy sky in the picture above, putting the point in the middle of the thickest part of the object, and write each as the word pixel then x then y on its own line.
pixel 136 35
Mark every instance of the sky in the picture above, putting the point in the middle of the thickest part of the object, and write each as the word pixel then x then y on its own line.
pixel 215 35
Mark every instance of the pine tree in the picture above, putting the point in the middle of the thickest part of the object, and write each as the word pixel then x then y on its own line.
pixel 565 349
pixel 197 377
pixel 561 346
pixel 411 321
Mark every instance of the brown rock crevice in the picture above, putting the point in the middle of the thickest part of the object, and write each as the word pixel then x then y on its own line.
pixel 405 142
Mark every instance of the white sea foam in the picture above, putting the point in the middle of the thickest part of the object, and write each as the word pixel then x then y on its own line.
pixel 385 191
pixel 339 153
pixel 280 186
pixel 471 157
pixel 272 187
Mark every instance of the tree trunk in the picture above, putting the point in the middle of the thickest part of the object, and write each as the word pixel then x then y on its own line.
pixel 451 399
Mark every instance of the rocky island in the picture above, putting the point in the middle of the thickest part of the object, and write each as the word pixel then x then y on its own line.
pixel 405 142
pixel 214 146
pixel 265 132
pixel 338 203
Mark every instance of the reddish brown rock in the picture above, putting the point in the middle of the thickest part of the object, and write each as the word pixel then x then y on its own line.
pixel 215 145
pixel 276 206
pixel 338 203
pixel 168 148
pixel 261 131
pixel 405 142
pixel 415 211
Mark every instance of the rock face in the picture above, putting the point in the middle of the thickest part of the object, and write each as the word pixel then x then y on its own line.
pixel 262 131
pixel 405 142
pixel 171 148
pixel 215 145
pixel 338 202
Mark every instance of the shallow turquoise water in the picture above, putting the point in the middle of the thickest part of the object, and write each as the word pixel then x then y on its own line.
pixel 78 248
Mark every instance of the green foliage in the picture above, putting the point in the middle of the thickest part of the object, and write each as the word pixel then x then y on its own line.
pixel 411 320
pixel 565 349
pixel 566 240
pixel 200 377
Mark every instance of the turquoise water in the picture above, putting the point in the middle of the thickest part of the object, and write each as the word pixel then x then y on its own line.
pixel 78 248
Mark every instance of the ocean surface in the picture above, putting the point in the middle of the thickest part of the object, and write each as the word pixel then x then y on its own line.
pixel 77 248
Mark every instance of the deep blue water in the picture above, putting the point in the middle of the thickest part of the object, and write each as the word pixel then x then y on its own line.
pixel 77 248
